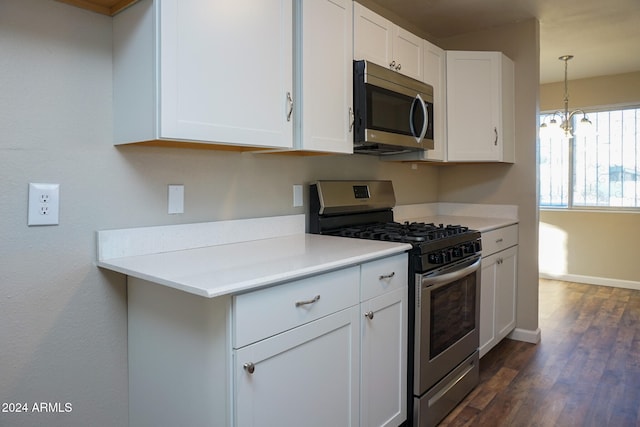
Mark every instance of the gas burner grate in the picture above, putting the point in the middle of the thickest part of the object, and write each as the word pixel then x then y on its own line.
pixel 407 232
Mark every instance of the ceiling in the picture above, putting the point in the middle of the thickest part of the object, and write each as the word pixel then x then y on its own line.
pixel 603 36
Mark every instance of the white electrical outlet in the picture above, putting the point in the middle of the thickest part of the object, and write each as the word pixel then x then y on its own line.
pixel 44 204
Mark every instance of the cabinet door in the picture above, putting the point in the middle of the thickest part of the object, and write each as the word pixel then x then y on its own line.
pixel 325 77
pixel 226 71
pixel 473 93
pixel 384 363
pixel 435 75
pixel 498 297
pixel 372 36
pixel 506 281
pixel 488 304
pixel 305 376
pixel 407 53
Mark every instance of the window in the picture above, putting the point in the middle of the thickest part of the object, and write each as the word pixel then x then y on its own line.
pixel 599 168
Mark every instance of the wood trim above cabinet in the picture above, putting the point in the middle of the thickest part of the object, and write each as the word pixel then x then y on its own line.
pixel 105 7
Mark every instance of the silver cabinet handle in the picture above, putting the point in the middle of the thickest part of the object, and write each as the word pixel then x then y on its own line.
pixel 249 367
pixel 392 65
pixel 495 142
pixel 398 67
pixel 369 315
pixel 387 276
pixel 290 102
pixel 307 302
pixel 499 240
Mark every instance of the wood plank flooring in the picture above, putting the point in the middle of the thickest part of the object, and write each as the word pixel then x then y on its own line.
pixel 585 371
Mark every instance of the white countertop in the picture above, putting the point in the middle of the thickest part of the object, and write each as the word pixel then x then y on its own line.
pixel 234 267
pixel 475 216
pixel 475 223
pixel 228 257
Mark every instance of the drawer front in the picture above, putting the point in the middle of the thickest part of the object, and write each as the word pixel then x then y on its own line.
pixel 384 275
pixel 496 240
pixel 267 312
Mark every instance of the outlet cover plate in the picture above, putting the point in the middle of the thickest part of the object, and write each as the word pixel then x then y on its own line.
pixel 44 204
pixel 297 196
pixel 176 199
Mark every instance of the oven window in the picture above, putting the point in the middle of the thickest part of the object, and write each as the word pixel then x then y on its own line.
pixel 452 313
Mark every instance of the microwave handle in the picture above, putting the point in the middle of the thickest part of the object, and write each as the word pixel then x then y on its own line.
pixel 425 122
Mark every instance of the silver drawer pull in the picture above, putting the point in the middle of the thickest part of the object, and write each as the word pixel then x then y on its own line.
pixel 387 276
pixel 249 367
pixel 311 301
pixel 499 240
pixel 369 315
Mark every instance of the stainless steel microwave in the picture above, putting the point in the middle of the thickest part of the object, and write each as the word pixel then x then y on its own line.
pixel 393 113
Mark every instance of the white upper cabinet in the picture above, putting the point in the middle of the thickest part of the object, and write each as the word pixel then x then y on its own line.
pixel 378 40
pixel 204 72
pixel 324 82
pixel 435 75
pixel 480 107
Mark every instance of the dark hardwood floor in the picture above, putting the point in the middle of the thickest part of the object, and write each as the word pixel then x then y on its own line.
pixel 584 372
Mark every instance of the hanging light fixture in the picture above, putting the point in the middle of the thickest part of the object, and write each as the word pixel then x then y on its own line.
pixel 564 127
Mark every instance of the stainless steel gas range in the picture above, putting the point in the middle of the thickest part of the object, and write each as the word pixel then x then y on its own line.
pixel 444 289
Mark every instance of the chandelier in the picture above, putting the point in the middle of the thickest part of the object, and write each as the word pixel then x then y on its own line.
pixel 560 123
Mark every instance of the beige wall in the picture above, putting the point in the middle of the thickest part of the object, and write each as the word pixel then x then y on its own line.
pixel 509 184
pixel 619 89
pixel 614 256
pixel 590 244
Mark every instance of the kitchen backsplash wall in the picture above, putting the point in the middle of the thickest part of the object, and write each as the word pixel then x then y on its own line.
pixel 63 331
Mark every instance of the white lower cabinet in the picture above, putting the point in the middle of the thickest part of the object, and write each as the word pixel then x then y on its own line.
pixel 306 376
pixel 384 363
pixel 297 352
pixel 345 368
pixel 301 353
pixel 499 281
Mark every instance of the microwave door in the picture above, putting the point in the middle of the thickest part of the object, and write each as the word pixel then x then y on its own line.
pixel 415 117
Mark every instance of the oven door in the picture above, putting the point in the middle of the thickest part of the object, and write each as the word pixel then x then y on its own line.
pixel 446 322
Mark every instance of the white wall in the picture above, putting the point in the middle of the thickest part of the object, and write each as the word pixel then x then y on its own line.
pixel 62 320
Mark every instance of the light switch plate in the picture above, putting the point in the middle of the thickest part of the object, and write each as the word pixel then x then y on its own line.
pixel 44 204
pixel 176 199
pixel 297 196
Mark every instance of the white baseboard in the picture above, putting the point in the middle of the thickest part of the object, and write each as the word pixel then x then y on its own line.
pixel 525 335
pixel 591 280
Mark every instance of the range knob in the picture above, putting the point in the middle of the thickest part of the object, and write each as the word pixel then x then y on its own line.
pixel 435 258
pixel 446 256
pixel 456 252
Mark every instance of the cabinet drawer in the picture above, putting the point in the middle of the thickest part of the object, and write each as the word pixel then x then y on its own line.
pixel 496 240
pixel 264 313
pixel 384 275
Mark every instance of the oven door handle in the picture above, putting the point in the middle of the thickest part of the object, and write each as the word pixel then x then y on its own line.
pixel 443 279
